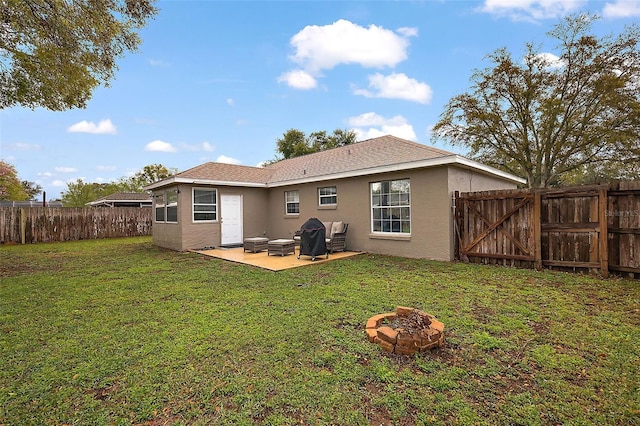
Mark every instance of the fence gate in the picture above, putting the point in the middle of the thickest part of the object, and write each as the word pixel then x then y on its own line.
pixel 585 227
pixel 496 226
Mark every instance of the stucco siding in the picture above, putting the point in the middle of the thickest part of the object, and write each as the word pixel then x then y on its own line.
pixel 264 213
pixel 167 235
pixel 255 223
pixel 429 213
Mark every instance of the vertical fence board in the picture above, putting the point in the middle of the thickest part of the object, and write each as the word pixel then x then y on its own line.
pixel 590 227
pixel 49 224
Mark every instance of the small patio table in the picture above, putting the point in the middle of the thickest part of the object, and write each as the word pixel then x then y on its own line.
pixel 255 244
pixel 281 246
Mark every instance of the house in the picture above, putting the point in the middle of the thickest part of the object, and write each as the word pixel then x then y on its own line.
pixel 395 194
pixel 123 199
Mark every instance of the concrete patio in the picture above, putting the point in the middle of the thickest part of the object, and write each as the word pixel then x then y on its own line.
pixel 272 263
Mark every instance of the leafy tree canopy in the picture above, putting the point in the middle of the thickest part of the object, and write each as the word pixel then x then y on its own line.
pixel 551 119
pixel 32 189
pixel 79 193
pixel 11 188
pixel 149 174
pixel 295 143
pixel 54 53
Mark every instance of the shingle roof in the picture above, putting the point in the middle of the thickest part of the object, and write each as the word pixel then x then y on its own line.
pixel 368 154
pixel 365 157
pixel 126 196
pixel 227 173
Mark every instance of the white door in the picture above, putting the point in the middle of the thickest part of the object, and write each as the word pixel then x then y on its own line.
pixel 231 219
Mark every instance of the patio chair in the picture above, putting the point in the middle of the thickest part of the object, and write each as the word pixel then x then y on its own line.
pixel 337 240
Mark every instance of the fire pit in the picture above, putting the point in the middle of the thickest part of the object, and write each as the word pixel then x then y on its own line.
pixel 405 331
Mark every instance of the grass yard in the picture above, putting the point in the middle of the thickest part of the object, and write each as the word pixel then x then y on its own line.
pixel 122 332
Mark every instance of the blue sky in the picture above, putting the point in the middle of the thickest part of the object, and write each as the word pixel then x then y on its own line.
pixel 223 80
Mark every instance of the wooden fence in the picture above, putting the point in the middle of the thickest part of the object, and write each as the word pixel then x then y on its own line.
pixel 577 228
pixel 47 224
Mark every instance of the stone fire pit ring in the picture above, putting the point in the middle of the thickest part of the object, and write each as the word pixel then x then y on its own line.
pixel 405 331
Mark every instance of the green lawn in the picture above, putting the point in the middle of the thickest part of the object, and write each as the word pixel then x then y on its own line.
pixel 121 332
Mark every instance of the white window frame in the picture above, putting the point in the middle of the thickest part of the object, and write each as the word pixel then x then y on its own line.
pixel 201 210
pixel 331 197
pixel 171 202
pixel 159 204
pixel 292 198
pixel 390 207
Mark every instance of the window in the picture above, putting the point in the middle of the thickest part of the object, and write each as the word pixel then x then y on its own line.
pixel 159 203
pixel 327 196
pixel 391 207
pixel 172 205
pixel 166 205
pixel 205 205
pixel 292 202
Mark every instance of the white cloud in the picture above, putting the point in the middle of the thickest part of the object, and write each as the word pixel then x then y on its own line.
pixel 343 42
pixel 298 79
pixel 230 101
pixel 531 10
pixel 44 174
pixel 621 9
pixel 318 48
pixel 159 63
pixel 58 183
pixel 228 160
pixel 106 168
pixel 370 125
pixel 102 128
pixel 549 60
pixel 66 169
pixel 408 31
pixel 23 146
pixel 396 86
pixel 204 146
pixel 159 146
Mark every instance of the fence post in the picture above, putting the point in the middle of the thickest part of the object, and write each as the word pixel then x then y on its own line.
pixel 603 245
pixel 456 231
pixel 537 228
pixel 23 226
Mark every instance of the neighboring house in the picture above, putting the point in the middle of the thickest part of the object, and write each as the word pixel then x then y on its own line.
pixel 123 199
pixel 395 194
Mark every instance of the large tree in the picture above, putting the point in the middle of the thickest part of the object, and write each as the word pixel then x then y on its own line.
pixel 295 143
pixel 545 117
pixel 79 193
pixel 54 53
pixel 149 174
pixel 32 189
pixel 11 188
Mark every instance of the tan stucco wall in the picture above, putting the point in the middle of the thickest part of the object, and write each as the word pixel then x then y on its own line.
pixel 188 234
pixel 429 210
pixel 264 213
pixel 167 235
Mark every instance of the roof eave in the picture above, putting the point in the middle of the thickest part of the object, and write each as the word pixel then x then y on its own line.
pixel 432 162
pixel 208 182
pixel 465 162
